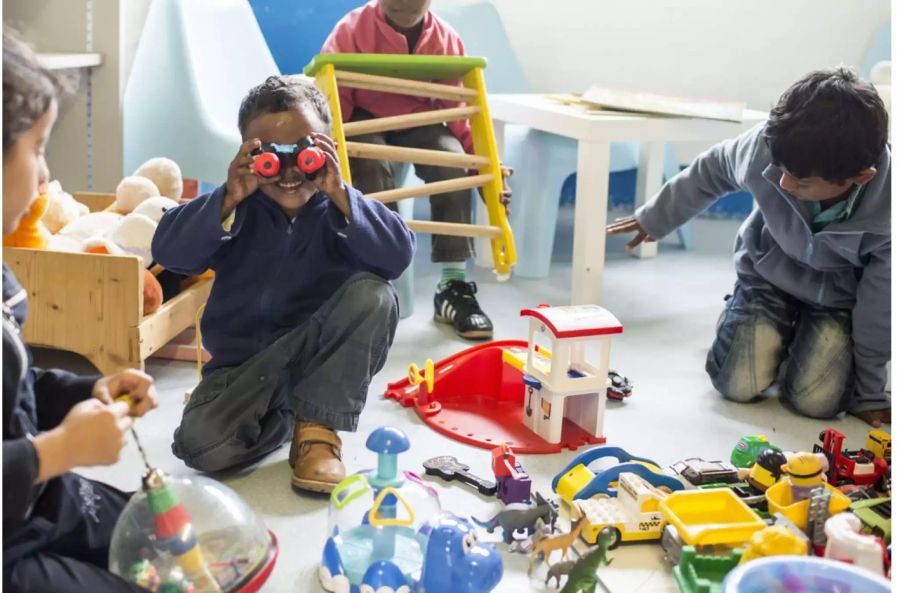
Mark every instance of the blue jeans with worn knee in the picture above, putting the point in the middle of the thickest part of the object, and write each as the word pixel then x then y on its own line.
pixel 767 336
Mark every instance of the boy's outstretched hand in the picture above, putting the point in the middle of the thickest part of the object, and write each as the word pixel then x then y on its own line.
pixel 629 224
pixel 329 180
pixel 136 384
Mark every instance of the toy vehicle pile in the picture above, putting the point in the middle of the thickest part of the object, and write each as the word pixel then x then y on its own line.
pixel 711 517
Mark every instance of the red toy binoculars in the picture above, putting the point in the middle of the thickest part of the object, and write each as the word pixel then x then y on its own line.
pixel 270 158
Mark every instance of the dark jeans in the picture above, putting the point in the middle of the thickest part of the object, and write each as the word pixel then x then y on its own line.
pixel 64 546
pixel 767 336
pixel 319 371
pixel 370 176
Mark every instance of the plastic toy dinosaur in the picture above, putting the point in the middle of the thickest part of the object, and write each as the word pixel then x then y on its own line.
pixel 545 547
pixel 515 518
pixel 583 575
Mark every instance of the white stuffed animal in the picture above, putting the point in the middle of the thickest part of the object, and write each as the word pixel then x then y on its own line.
pixel 131 191
pixel 62 208
pixel 91 225
pixel 154 208
pixel 134 234
pixel 165 174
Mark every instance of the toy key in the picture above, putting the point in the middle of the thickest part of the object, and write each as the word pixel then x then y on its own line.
pixel 449 468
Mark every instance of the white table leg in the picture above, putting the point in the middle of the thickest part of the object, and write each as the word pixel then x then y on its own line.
pixel 591 198
pixel 649 181
pixel 483 256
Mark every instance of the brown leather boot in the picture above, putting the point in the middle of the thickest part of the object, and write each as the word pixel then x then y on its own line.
pixel 316 458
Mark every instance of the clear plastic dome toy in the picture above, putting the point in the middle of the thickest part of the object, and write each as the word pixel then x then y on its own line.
pixel 190 534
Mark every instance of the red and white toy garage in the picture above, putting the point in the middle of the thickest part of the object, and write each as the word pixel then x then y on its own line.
pixel 534 398
pixel 564 383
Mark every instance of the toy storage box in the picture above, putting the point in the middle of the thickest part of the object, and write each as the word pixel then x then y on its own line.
pixel 93 305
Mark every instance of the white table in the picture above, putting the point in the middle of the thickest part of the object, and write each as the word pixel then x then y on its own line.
pixel 595 130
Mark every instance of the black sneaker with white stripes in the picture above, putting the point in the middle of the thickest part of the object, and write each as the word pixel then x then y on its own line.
pixel 456 305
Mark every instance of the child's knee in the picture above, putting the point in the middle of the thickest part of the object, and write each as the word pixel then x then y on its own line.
pixel 744 362
pixel 732 384
pixel 368 296
pixel 822 400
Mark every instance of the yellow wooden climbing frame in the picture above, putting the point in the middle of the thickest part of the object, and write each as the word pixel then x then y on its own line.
pixel 413 75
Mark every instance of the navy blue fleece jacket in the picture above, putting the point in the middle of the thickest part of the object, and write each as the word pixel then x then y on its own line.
pixel 273 273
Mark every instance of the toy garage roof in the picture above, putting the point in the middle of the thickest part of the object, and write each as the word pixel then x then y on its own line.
pixel 576 321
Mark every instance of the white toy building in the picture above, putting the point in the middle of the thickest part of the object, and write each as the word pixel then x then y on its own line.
pixel 559 382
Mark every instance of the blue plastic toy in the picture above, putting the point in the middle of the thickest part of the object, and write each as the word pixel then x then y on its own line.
pixel 577 481
pixel 387 531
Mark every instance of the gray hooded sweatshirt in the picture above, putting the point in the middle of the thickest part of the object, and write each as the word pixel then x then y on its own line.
pixel 847 265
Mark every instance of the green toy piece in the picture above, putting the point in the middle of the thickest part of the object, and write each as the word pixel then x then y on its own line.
pixel 875 513
pixel 417 67
pixel 583 574
pixel 748 449
pixel 703 574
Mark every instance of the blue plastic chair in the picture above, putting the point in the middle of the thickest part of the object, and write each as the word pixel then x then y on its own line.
pixel 296 29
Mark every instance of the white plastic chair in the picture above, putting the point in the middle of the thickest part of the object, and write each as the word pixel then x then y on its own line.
pixel 194 64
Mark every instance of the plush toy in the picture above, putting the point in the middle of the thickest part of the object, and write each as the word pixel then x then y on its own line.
pixel 31 232
pixel 92 225
pixel 153 293
pixel 134 233
pixel 165 174
pixel 154 208
pixel 62 208
pixel 131 191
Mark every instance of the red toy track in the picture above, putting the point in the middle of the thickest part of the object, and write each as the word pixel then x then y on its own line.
pixel 478 399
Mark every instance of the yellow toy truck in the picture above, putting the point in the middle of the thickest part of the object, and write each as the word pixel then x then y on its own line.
pixel 634 514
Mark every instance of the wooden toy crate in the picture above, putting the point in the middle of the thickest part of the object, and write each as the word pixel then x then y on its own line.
pixel 93 304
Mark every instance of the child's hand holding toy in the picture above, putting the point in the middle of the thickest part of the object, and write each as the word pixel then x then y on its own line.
pixel 329 180
pixel 136 384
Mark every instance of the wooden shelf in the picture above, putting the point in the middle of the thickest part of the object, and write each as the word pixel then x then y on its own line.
pixel 64 61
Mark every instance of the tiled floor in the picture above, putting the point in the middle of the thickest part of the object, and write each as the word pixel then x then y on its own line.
pixel 668 307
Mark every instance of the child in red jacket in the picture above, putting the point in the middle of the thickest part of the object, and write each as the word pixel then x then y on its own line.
pixel 409 27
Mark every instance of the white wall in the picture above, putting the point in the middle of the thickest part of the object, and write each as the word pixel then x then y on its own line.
pixel 747 51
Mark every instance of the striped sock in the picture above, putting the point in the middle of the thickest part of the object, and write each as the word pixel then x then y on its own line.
pixel 452 271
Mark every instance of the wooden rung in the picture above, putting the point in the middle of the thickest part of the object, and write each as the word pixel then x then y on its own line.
pixel 454 229
pixel 413 120
pixel 431 189
pixel 403 86
pixel 420 156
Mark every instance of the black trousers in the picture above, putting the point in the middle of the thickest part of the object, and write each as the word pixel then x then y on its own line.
pixel 64 546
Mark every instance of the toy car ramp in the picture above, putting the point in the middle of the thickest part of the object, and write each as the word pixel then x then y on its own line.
pixel 577 481
pixel 478 398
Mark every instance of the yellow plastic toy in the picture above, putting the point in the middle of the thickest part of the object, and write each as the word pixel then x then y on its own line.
pixel 781 500
pixel 804 472
pixel 765 471
pixel 775 540
pixel 413 75
pixel 426 375
pixel 31 232
pixel 879 443
pixel 710 517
